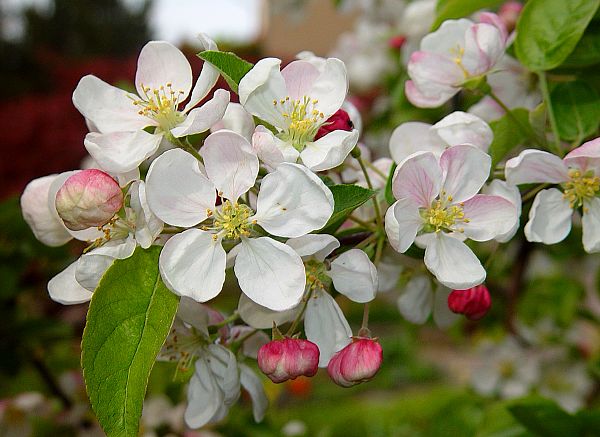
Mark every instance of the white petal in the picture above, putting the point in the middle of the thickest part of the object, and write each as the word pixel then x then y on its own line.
pixel 330 150
pixel 402 223
pixel 193 264
pixel 271 150
pixel 43 221
pixel 388 272
pixel 224 366
pixel 442 315
pixel 535 166
pixel 237 119
pixel 160 63
pixel 591 225
pixel 330 87
pixel 418 178
pixel 299 77
pixel 177 191
pixel 446 37
pixel 550 218
pixel 204 397
pixel 484 45
pixel 293 201
pixel 412 137
pixel 260 317
pixel 416 301
pixel 194 314
pixel 453 263
pixel 260 87
pixel 147 226
pixel 355 276
pixel 270 273
pixel 92 265
pixel 254 386
pixel 121 152
pixel 326 326
pixel 202 118
pixel 230 163
pixel 107 107
pixel 462 128
pixel 208 75
pixel 316 246
pixel 466 168
pixel 510 193
pixel 65 289
pixel 489 216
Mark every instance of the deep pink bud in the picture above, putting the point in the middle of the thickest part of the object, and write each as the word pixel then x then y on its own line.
pixel 474 302
pixel 88 198
pixel 509 14
pixel 338 121
pixel 396 42
pixel 358 362
pixel 288 358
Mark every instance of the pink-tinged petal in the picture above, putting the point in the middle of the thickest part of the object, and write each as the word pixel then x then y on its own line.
pixel 260 87
pixel 204 117
pixel 330 150
pixel 447 37
pixel 230 163
pixel 293 201
pixel 510 193
pixel 429 71
pixel 463 128
pixel 121 152
pixel 453 263
pixel 299 77
pixel 412 137
pixel 270 273
pixel 110 109
pixel 330 88
pixel 465 168
pixel 489 216
pixel 590 223
pixel 550 218
pixel 484 45
pixel 271 150
pixel 288 358
pixel 496 21
pixel 192 264
pixel 177 191
pixel 159 64
pixel 585 157
pixel 260 317
pixel 237 119
pixel 354 275
pixel 436 95
pixel 416 301
pixel 356 363
pixel 65 289
pixel 418 178
pixel 41 218
pixel 402 223
pixel 317 246
pixel 208 75
pixel 534 167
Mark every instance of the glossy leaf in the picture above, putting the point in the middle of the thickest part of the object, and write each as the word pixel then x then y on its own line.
pixel 230 65
pixel 347 198
pixel 449 9
pixel 576 109
pixel 508 133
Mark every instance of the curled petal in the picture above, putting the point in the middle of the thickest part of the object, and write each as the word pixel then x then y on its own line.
pixel 355 276
pixel 330 88
pixel 237 119
pixel 271 150
pixel 431 96
pixel 489 217
pixel 205 398
pixel 208 75
pixel 549 218
pixel 463 128
pixel 317 246
pixel 402 223
pixel 466 168
pixel 253 385
pixel 330 150
pixel 412 137
pixel 418 178
pixel 260 317
pixel 204 117
pixel 416 301
pixel 510 193
pixel 535 166
pixel 65 289
pixel 591 225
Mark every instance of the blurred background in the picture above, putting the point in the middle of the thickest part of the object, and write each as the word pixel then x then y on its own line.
pixel 432 383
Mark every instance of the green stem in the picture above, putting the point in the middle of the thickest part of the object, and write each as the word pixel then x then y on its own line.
pixel 231 318
pixel 370 185
pixel 290 331
pixel 187 147
pixel 363 223
pixel 546 95
pixel 531 193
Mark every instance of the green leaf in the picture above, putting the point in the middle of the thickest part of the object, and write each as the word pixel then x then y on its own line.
pixel 544 417
pixel 128 320
pixel 548 31
pixel 389 195
pixel 508 134
pixel 347 198
pixel 448 9
pixel 576 109
pixel 230 65
pixel 586 52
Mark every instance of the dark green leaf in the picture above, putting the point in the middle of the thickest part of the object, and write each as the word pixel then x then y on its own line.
pixel 587 50
pixel 576 109
pixel 230 65
pixel 548 31
pixel 347 198
pixel 128 320
pixel 389 195
pixel 448 9
pixel 508 134
pixel 545 418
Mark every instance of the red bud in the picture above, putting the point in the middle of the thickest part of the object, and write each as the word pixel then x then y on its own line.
pixel 396 42
pixel 474 302
pixel 358 362
pixel 338 121
pixel 288 358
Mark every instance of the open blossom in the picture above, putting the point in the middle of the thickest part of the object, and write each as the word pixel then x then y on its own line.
pixel 452 130
pixel 457 52
pixel 438 207
pixel 297 101
pixel 578 176
pixel 358 362
pixel 288 358
pixel 292 201
pixel 163 82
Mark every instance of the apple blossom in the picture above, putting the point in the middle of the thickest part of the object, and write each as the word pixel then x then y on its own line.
pixel 356 363
pixel 578 175
pixel 288 358
pixel 438 207
pixel 163 82
pixel 292 201
pixel 418 300
pixel 297 101
pixel 457 52
pixel 474 302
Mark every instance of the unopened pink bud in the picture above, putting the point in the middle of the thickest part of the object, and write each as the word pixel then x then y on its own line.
pixel 509 14
pixel 474 302
pixel 338 121
pixel 88 198
pixel 358 362
pixel 288 358
pixel 396 42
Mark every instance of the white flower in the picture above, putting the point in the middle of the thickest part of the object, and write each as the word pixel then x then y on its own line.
pixel 297 101
pixel 292 202
pixel 418 301
pixel 163 82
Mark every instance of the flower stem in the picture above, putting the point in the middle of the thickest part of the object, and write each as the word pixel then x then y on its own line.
pixel 363 223
pixel 546 94
pixel 529 133
pixel 531 193
pixel 187 147
pixel 232 318
pixel 292 327
pixel 370 185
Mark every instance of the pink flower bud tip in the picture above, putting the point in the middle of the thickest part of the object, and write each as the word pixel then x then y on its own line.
pixel 509 14
pixel 396 42
pixel 288 358
pixel 474 302
pixel 358 362
pixel 87 199
pixel 338 121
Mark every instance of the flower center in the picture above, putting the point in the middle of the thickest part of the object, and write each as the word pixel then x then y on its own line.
pixel 316 276
pixel 458 52
pixel 442 216
pixel 304 120
pixel 232 221
pixel 506 369
pixel 183 345
pixel 580 187
pixel 160 105
pixel 115 228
